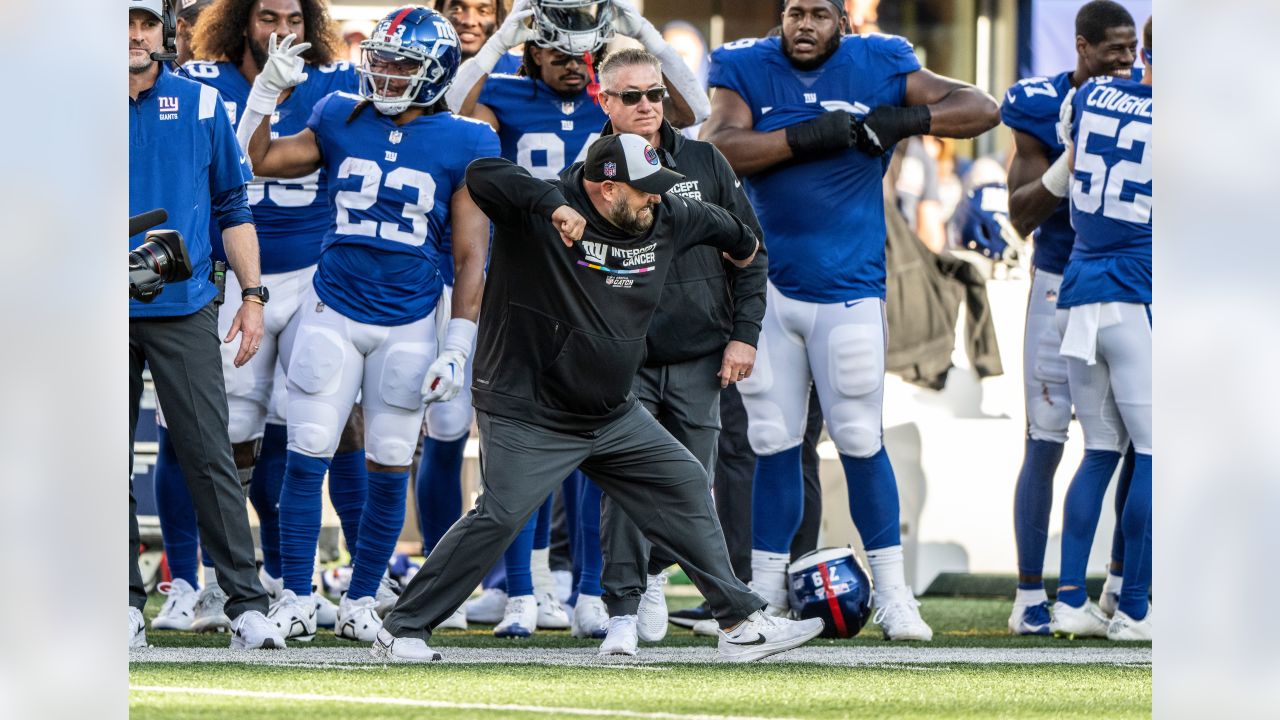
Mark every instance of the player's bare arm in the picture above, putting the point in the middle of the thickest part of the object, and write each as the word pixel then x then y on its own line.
pixel 1030 202
pixel 956 109
pixel 241 243
pixel 470 246
pixel 287 157
pixel 730 128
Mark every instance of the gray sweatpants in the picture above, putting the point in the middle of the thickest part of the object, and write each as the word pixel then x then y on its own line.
pixel 685 399
pixel 634 461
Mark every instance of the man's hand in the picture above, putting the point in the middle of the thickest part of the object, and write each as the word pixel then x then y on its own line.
pixel 739 361
pixel 745 261
pixel 885 126
pixel 284 69
pixel 514 30
pixel 445 377
pixel 628 21
pixel 248 323
pixel 569 224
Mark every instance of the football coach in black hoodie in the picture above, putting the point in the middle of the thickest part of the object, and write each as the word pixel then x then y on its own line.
pixel 576 271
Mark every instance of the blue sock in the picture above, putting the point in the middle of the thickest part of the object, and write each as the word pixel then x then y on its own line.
pixel 1137 530
pixel 348 487
pixel 1122 493
pixel 496 577
pixel 1032 503
pixel 589 539
pixel 777 505
pixel 380 527
pixel 570 492
pixel 873 499
pixel 542 530
pixel 438 488
pixel 264 493
pixel 177 514
pixel 1080 515
pixel 300 505
pixel 519 575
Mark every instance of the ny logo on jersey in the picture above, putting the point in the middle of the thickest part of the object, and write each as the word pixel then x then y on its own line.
pixel 168 107
pixel 811 97
pixel 391 157
pixel 566 125
pixel 395 137
pixel 596 252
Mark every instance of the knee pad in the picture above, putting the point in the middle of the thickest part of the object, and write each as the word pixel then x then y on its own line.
pixel 855 428
pixel 318 357
pixel 314 429
pixel 767 429
pixel 855 358
pixel 403 370
pixel 1048 412
pixel 449 421
pixel 390 439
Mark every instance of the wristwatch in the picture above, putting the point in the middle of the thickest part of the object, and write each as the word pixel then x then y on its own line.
pixel 259 292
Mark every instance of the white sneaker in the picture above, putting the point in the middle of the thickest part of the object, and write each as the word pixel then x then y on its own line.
pixel 898 614
pixel 621 636
pixel 707 628
pixel 1123 627
pixel 487 609
pixel 761 635
pixel 210 613
pixel 1031 619
pixel 179 608
pixel 294 617
pixel 551 614
pixel 273 586
pixel 1073 622
pixel 389 647
pixel 456 621
pixel 652 615
pixel 326 610
pixel 253 631
pixel 520 618
pixel 386 596
pixel 590 618
pixel 564 585
pixel 137 629
pixel 358 619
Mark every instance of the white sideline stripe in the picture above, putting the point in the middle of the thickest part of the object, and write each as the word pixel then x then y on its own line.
pixel 439 704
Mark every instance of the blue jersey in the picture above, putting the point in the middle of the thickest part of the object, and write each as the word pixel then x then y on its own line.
pixel 824 219
pixel 1031 106
pixel 292 216
pixel 1110 194
pixel 390 187
pixel 508 64
pixel 182 153
pixel 542 131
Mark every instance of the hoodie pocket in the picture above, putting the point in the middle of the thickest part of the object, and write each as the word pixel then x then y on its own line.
pixel 525 343
pixel 591 375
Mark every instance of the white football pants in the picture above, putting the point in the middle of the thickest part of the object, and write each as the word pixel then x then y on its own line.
pixel 1044 369
pixel 1113 396
pixel 449 421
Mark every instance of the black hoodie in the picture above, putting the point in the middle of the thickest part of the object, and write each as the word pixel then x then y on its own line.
pixel 562 330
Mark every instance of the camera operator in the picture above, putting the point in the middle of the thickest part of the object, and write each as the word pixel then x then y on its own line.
pixel 184 158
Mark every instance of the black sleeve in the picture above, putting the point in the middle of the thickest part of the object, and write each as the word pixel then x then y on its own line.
pixel 507 193
pixel 699 223
pixel 748 283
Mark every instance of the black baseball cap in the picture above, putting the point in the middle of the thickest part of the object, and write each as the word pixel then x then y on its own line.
pixel 188 9
pixel 630 159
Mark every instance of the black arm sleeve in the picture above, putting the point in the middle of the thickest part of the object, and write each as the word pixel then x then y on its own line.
pixel 748 283
pixel 507 193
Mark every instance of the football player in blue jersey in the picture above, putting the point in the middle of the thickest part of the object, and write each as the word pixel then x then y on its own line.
pixel 810 119
pixel 292 218
pixel 396 159
pixel 1038 184
pixel 1104 313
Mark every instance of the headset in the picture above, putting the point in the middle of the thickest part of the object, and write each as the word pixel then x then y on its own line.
pixel 170 23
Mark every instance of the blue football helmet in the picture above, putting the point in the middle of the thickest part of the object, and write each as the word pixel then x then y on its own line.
pixel 983 219
pixel 410 60
pixel 830 583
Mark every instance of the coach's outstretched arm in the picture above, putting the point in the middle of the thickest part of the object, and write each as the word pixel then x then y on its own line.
pixel 507 192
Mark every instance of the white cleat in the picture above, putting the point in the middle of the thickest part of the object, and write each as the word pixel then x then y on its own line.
pixel 652 615
pixel 1073 622
pixel 358 619
pixel 520 618
pixel 761 635
pixel 621 638
pixel 326 611
pixel 294 617
pixel 551 614
pixel 590 618
pixel 487 609
pixel 1031 619
pixel 456 621
pixel 898 614
pixel 253 631
pixel 707 628
pixel 1123 627
pixel 179 609
pixel 137 629
pixel 388 647
pixel 386 596
pixel 210 613
pixel 273 586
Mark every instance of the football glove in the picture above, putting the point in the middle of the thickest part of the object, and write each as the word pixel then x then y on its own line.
pixel 514 30
pixel 885 126
pixel 829 132
pixel 1057 179
pixel 628 21
pixel 284 69
pixel 448 372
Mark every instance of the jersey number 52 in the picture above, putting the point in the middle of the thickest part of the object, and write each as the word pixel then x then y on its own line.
pixel 1106 184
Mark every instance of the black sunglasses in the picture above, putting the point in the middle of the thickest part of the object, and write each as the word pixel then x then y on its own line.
pixel 632 97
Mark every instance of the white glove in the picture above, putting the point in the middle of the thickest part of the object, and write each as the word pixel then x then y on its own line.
pixel 1064 119
pixel 514 30
pixel 284 69
pixel 628 21
pixel 448 372
pixel 1057 179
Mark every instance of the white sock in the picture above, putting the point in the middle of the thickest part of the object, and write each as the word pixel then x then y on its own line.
pixel 1030 597
pixel 210 576
pixel 887 571
pixel 769 576
pixel 1113 584
pixel 540 568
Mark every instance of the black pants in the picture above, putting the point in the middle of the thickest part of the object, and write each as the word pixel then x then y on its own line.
pixel 735 469
pixel 186 366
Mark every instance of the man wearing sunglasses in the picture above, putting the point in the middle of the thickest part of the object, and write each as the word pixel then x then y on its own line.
pixel 702 338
